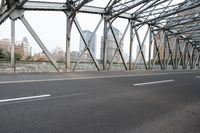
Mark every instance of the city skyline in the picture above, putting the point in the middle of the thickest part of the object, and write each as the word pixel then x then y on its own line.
pixel 22 47
pixel 55 36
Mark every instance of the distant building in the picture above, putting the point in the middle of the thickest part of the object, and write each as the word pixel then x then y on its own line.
pixel 26 47
pixel 22 48
pixel 19 49
pixel 74 56
pixel 40 57
pixel 111 45
pixel 59 54
pixel 5 44
pixel 92 45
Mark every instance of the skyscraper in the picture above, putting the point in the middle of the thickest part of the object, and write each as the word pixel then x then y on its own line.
pixel 26 47
pixel 111 45
pixel 92 45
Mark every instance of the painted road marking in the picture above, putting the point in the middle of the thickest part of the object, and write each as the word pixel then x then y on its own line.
pixel 24 98
pixel 48 96
pixel 97 77
pixel 198 77
pixel 155 82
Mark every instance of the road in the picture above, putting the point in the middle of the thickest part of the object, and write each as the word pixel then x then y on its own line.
pixel 100 102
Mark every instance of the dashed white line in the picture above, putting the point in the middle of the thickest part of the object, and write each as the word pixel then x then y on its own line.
pixel 24 98
pixel 36 98
pixel 154 82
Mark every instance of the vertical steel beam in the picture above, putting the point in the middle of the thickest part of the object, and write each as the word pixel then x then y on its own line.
pixel 164 52
pixel 131 45
pixel 40 43
pixel 13 44
pixel 176 44
pixel 185 56
pixel 68 45
pixel 197 60
pixel 104 52
pixel 150 45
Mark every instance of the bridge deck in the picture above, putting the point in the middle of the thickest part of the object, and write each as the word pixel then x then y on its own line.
pixel 107 102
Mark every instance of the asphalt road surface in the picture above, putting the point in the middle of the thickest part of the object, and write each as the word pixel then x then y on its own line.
pixel 100 102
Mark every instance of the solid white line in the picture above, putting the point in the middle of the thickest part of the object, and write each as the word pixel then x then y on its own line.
pixel 24 98
pixel 97 77
pixel 155 82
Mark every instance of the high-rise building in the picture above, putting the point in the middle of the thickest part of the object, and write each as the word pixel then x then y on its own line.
pixel 26 47
pixel 111 45
pixel 92 45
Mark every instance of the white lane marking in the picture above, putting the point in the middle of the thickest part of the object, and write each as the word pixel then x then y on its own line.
pixel 155 82
pixel 97 77
pixel 40 99
pixel 198 77
pixel 24 98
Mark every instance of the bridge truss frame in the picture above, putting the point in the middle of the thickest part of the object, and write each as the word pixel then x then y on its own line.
pixel 173 30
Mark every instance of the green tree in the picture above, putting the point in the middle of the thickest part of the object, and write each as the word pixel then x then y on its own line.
pixel 5 55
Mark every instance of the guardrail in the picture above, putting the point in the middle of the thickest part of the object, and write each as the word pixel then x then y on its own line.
pixel 46 66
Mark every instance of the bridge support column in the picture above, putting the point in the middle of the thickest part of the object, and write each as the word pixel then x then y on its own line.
pixel 13 17
pixel 104 52
pixel 12 50
pixel 131 45
pixel 150 46
pixel 68 45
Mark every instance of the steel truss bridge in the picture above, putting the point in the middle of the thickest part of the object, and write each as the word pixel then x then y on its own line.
pixel 173 31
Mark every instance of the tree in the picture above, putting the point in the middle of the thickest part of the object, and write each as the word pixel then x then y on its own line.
pixel 5 55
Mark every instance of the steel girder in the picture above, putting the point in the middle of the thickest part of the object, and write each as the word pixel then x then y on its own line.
pixel 177 22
